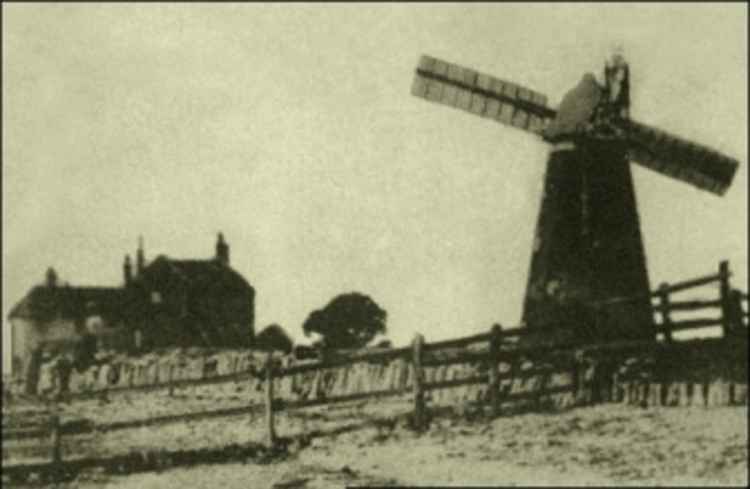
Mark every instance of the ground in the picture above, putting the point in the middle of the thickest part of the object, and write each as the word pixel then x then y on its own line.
pixel 609 444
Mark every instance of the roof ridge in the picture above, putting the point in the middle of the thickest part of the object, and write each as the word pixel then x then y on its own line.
pixel 192 260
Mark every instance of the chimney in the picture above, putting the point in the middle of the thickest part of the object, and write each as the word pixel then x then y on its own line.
pixel 140 259
pixel 128 270
pixel 222 250
pixel 51 277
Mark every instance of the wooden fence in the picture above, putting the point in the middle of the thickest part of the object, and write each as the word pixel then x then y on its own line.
pixel 499 346
pixel 731 304
pixel 733 321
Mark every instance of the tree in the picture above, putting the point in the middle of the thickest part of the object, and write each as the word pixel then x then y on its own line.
pixel 273 338
pixel 348 321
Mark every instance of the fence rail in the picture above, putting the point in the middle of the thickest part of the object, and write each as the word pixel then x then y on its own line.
pixel 688 305
pixel 457 343
pixel 693 283
pixel 693 324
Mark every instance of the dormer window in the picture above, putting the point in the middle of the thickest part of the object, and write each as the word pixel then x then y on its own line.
pixel 155 297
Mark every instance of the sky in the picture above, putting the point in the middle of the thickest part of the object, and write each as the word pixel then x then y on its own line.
pixel 291 129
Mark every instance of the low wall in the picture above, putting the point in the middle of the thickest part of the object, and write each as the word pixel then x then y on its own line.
pixel 123 371
pixel 706 374
pixel 713 373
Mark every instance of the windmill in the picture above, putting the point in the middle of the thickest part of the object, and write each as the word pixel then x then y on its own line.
pixel 588 247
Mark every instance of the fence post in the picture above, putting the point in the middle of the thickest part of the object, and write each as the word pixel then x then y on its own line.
pixel 724 297
pixel 269 400
pixel 496 337
pixel 419 404
pixel 735 311
pixel 736 325
pixel 666 317
pixel 56 439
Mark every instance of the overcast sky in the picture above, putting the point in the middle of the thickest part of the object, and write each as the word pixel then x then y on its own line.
pixel 291 128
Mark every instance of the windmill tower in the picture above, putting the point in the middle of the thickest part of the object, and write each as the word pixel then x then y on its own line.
pixel 588 248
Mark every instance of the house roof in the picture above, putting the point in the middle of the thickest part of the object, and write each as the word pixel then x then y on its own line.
pixel 67 302
pixel 206 284
pixel 200 273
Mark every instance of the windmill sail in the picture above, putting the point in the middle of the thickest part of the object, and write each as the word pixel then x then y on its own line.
pixel 678 158
pixel 481 94
pixel 484 95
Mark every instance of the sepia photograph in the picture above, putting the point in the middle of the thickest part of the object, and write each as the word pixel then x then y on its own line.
pixel 367 245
